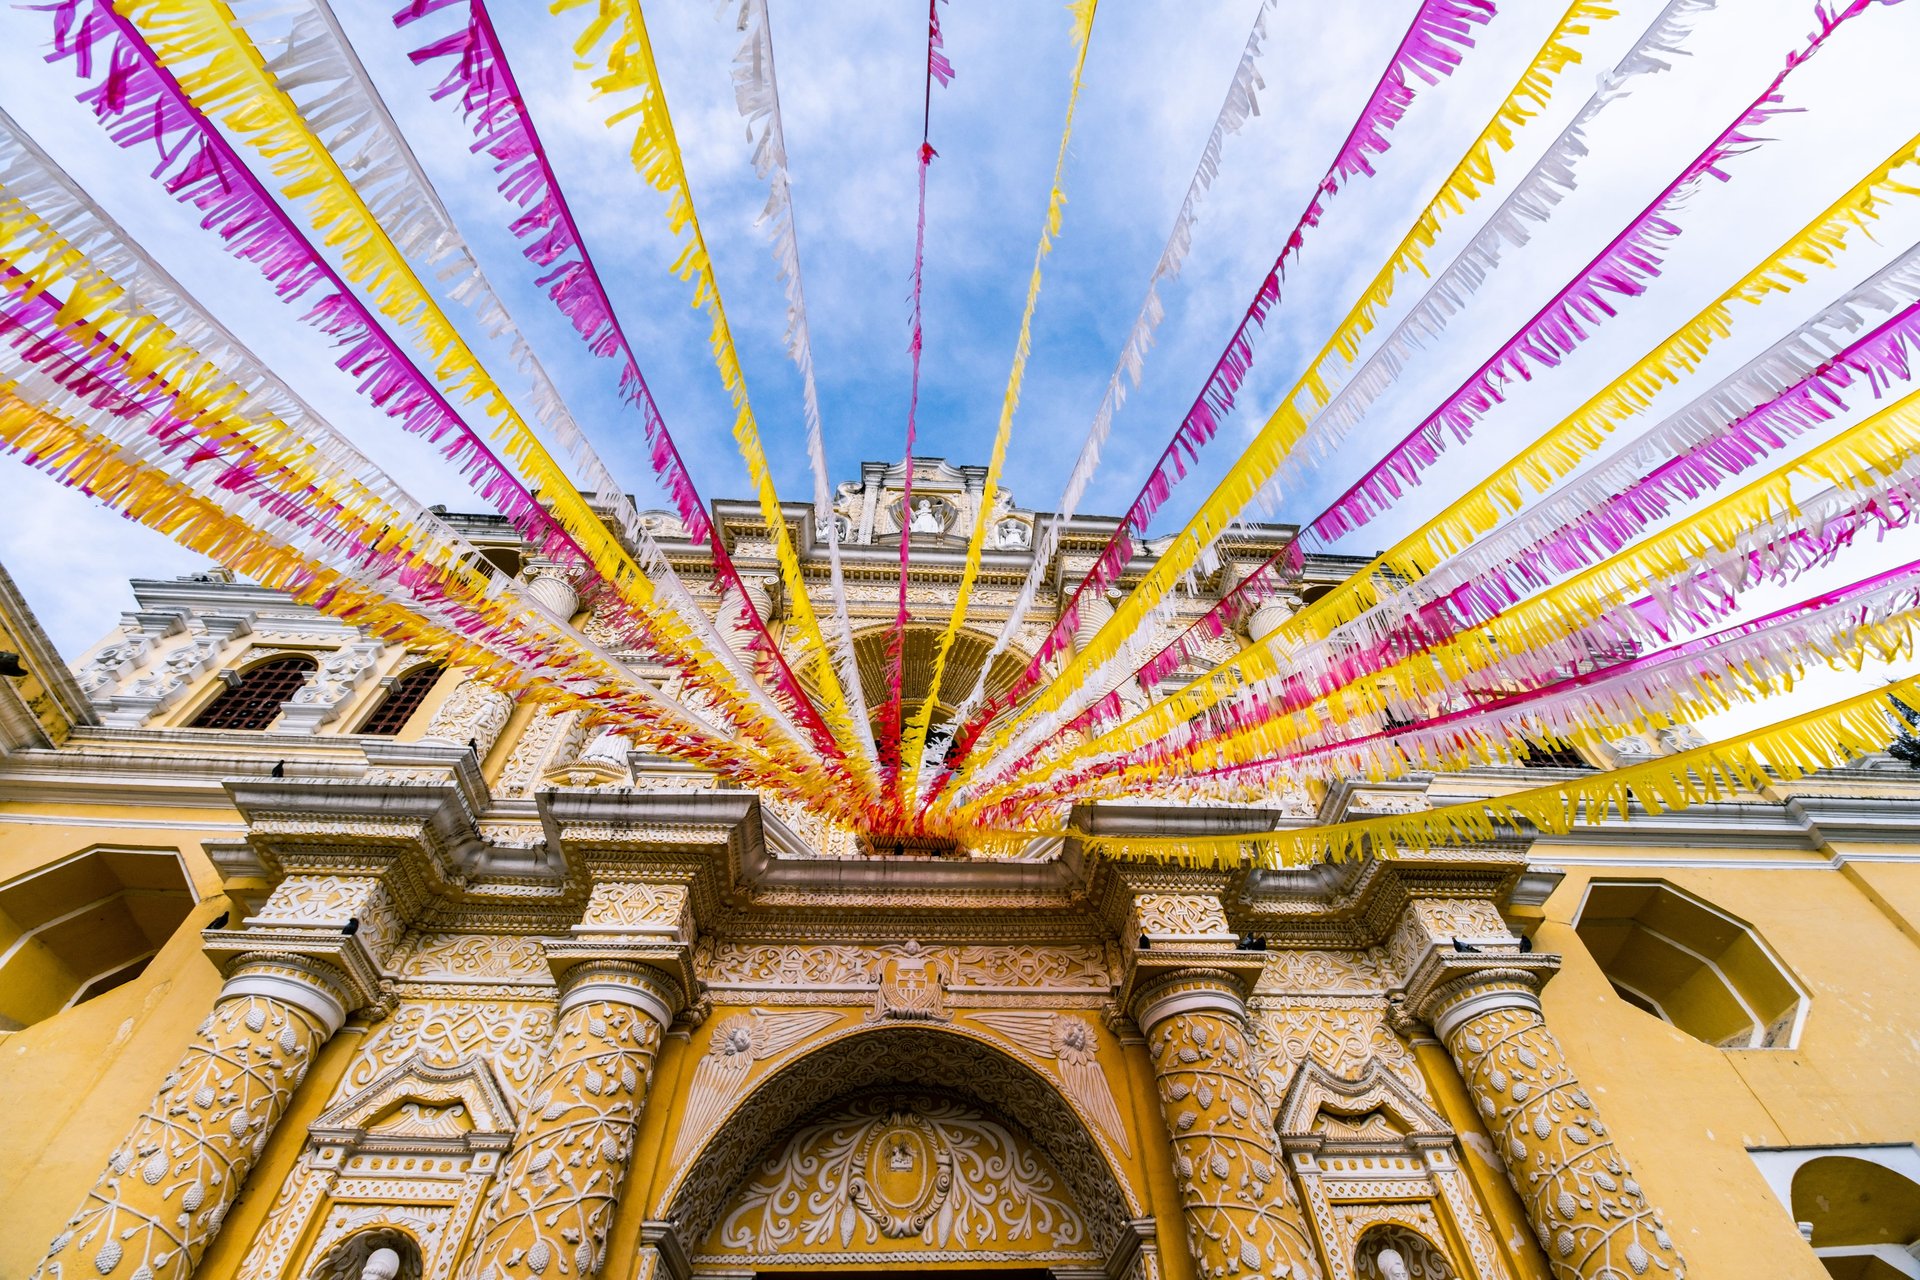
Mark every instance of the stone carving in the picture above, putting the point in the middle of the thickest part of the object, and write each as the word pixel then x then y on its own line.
pixel 111 662
pixel 892 1168
pixel 1682 737
pixel 1074 1045
pixel 1395 1253
pixel 384 1264
pixel 1180 915
pixel 510 1036
pixel 631 905
pixel 324 696
pixel 168 1185
pixel 562 1180
pixel 928 519
pixel 719 1079
pixel 549 737
pixel 355 1236
pixel 1012 534
pixel 1343 1040
pixel 1072 966
pixel 475 712
pixel 330 902
pixel 1584 1203
pixel 911 987
pixel 1241 1215
pixel 1324 973
pixel 467 957
pixel 953 1065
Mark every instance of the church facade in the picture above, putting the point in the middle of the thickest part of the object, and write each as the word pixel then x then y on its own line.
pixel 318 960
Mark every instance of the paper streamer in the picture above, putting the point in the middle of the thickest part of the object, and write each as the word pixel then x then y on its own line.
pixel 618 29
pixel 892 732
pixel 491 102
pixel 1470 178
pixel 1082 12
pixel 1818 243
pixel 1242 103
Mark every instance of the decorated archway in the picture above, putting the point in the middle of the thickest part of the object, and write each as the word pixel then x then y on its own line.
pixel 879 1146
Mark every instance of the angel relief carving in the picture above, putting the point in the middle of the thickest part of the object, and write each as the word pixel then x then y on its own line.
pixel 1074 1046
pixel 721 1075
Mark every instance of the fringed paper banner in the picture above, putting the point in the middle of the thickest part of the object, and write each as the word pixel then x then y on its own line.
pixel 1083 12
pixel 756 92
pixel 1673 463
pixel 1695 569
pixel 1749 662
pixel 476 635
pixel 1819 243
pixel 893 733
pixel 1467 182
pixel 494 109
pixel 138 307
pixel 1242 103
pixel 619 31
pixel 1834 734
pixel 1530 202
pixel 1622 269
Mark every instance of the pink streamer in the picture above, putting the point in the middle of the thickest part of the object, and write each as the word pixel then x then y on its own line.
pixel 503 128
pixel 1433 46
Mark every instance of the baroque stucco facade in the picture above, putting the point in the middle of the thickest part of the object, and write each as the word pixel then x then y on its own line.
pixel 506 997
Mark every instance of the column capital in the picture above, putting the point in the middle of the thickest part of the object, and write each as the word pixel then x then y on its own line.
pixel 628 982
pixel 1449 987
pixel 1189 990
pixel 315 985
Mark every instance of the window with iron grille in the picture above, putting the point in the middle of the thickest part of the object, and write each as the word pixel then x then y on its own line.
pixel 402 701
pixel 255 701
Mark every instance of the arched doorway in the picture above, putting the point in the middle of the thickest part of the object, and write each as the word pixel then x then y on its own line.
pixel 873 1148
pixel 1865 1217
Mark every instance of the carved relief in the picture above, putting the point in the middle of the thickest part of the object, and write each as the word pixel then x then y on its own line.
pixel 1180 915
pixel 1326 973
pixel 1241 1215
pixel 1397 1253
pixel 475 712
pixel 738 1042
pixel 550 736
pixel 464 957
pixel 629 905
pixel 511 1037
pixel 563 1178
pixel 1584 1203
pixel 911 987
pixel 1082 966
pixel 308 901
pixel 1074 1045
pixel 169 1184
pixel 892 1168
pixel 1344 1040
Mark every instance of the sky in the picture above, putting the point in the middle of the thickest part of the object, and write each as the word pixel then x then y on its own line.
pixel 851 76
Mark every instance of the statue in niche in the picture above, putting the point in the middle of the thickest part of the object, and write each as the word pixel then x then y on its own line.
pixel 1392 1265
pixel 926 519
pixel 382 1264
pixel 900 1154
pixel 1012 535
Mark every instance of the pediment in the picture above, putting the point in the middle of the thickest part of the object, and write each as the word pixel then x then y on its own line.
pixel 419 1106
pixel 1378 1109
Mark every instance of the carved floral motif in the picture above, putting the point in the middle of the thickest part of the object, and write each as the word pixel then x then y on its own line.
pixel 168 1186
pixel 1585 1204
pixel 511 1036
pixel 466 957
pixel 923 1168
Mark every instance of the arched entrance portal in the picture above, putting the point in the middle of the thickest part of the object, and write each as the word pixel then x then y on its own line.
pixel 900 1146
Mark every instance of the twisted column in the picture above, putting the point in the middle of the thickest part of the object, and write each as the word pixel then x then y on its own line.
pixel 1581 1196
pixel 168 1185
pixel 561 1181
pixel 1242 1216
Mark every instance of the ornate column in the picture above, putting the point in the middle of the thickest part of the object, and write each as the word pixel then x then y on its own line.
pixel 1242 1216
pixel 623 977
pixel 473 714
pixel 551 586
pixel 168 1185
pixel 1185 987
pixel 1585 1205
pixel 564 1173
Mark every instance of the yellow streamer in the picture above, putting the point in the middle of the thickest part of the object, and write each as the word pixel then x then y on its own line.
pixel 1083 14
pixel 1789 749
pixel 1819 243
pixel 1469 180
pixel 222 73
pixel 630 68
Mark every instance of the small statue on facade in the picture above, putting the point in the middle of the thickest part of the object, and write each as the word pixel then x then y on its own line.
pixel 382 1264
pixel 926 519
